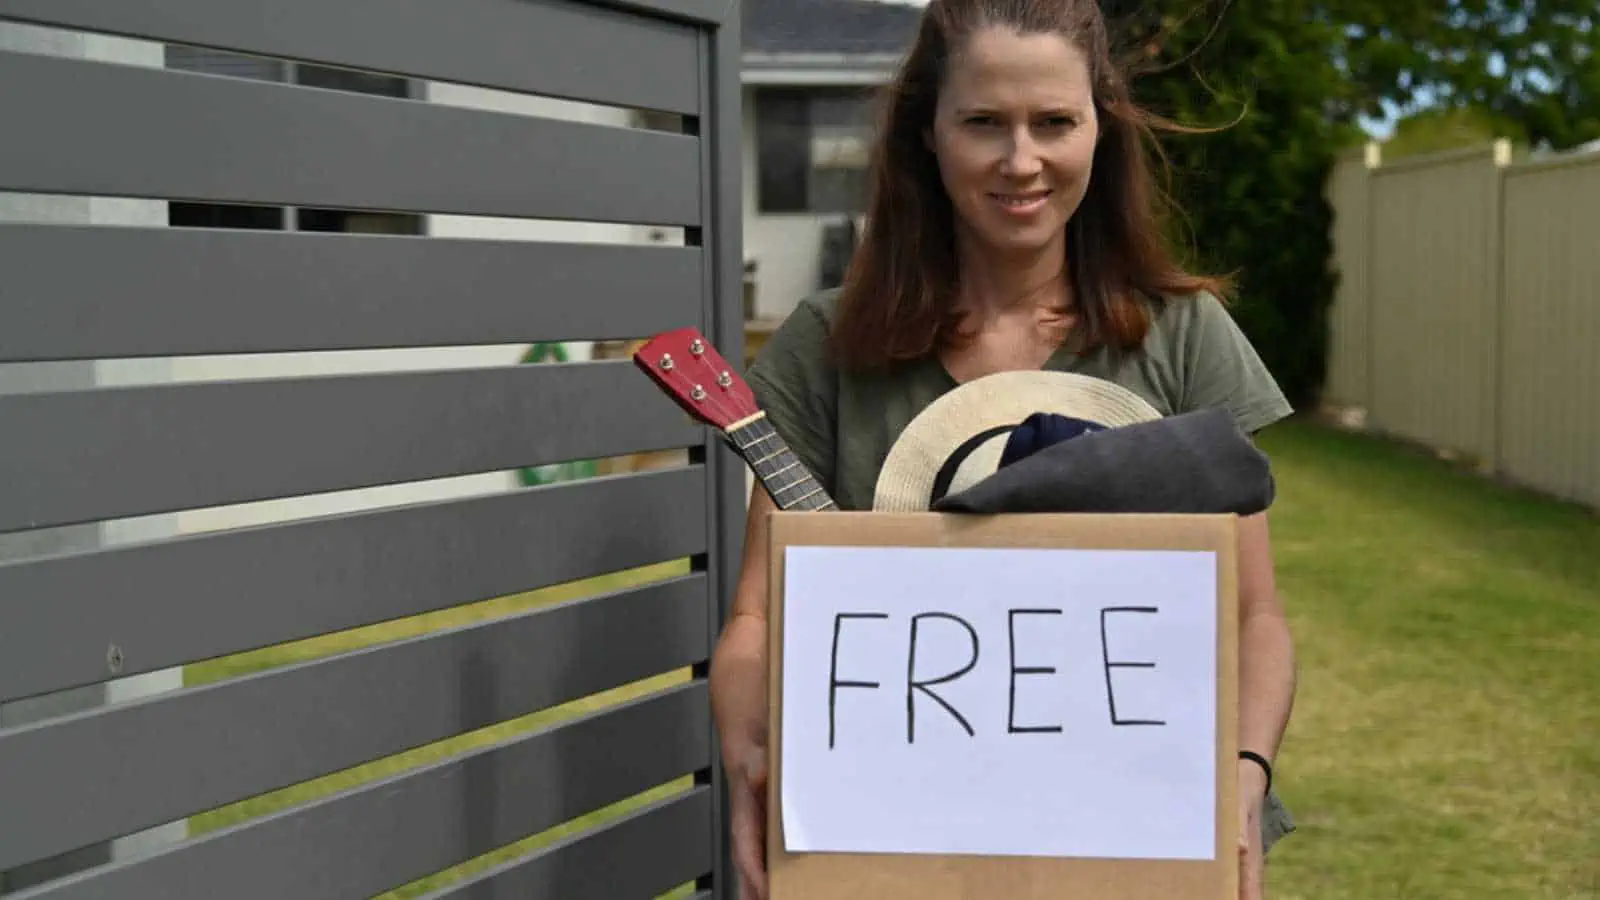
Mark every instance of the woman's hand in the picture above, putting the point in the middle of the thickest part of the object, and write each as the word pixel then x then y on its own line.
pixel 747 788
pixel 739 703
pixel 1252 859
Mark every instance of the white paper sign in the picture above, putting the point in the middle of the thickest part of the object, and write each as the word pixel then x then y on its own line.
pixel 1000 702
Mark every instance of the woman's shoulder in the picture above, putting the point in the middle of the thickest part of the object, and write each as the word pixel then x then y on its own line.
pixel 800 338
pixel 1198 339
pixel 1180 314
pixel 794 383
pixel 817 310
pixel 794 363
pixel 1184 326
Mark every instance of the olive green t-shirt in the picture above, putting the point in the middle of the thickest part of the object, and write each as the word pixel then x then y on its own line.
pixel 841 424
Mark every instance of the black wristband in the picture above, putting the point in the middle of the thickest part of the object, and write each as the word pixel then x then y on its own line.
pixel 1261 761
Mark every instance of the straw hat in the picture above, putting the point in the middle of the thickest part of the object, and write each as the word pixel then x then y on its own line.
pixel 960 438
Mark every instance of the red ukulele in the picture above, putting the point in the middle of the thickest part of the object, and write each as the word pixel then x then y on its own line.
pixel 685 365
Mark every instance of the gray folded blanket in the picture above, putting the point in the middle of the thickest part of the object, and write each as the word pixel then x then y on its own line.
pixel 1198 462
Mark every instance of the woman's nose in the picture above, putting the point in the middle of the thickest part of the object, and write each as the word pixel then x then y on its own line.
pixel 1022 158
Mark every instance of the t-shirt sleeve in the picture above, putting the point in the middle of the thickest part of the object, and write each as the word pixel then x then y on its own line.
pixel 1222 369
pixel 795 384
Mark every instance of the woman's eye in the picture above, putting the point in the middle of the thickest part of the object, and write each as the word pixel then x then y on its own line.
pixel 1051 122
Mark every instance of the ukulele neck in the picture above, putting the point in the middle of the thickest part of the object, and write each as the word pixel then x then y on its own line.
pixel 790 484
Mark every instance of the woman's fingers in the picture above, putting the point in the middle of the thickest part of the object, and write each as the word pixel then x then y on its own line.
pixel 749 835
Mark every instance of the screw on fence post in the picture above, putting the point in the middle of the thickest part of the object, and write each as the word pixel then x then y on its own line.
pixel 114 659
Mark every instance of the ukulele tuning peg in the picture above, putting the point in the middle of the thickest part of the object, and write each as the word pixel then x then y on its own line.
pixel 666 362
pixel 725 380
pixel 697 347
pixel 699 393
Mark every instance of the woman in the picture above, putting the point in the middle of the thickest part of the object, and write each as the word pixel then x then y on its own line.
pixel 1010 225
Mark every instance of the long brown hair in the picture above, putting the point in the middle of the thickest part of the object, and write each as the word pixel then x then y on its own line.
pixel 896 302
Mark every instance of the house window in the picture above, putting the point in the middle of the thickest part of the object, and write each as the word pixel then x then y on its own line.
pixel 812 147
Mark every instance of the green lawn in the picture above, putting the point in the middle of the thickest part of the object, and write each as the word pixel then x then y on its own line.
pixel 1446 741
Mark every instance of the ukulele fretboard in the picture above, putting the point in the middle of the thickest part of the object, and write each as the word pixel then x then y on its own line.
pixel 790 483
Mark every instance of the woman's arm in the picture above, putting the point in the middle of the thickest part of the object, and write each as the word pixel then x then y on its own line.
pixel 1266 690
pixel 739 703
pixel 739 662
pixel 1266 651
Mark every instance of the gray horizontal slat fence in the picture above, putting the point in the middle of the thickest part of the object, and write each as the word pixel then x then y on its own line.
pixel 659 843
pixel 285 582
pixel 77 456
pixel 200 137
pixel 429 819
pixel 344 738
pixel 485 43
pixel 203 291
pixel 200 749
pixel 722 15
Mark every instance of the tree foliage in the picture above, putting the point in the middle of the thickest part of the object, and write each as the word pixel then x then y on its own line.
pixel 1534 64
pixel 1261 79
pixel 1438 130
pixel 1285 83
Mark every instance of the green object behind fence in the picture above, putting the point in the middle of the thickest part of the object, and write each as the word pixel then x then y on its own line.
pixel 572 470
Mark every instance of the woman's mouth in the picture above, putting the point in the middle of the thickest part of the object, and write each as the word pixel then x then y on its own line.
pixel 1023 203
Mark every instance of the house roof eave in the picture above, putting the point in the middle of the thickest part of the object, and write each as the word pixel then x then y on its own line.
pixel 817 68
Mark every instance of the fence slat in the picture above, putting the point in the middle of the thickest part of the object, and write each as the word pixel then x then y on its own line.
pixel 77 456
pixel 703 12
pixel 411 825
pixel 1549 327
pixel 175 292
pixel 550 47
pixel 203 748
pixel 728 496
pixel 235 591
pixel 1434 235
pixel 664 845
pixel 174 135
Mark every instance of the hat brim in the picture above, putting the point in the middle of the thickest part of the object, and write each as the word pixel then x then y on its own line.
pixel 906 480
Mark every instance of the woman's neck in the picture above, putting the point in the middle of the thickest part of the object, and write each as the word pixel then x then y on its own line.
pixel 994 283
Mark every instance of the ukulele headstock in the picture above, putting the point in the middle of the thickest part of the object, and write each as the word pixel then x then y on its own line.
pixel 691 371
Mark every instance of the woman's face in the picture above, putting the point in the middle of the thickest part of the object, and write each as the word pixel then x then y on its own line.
pixel 1015 133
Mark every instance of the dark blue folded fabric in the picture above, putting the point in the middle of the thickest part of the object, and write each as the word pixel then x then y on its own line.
pixel 1041 430
pixel 1198 462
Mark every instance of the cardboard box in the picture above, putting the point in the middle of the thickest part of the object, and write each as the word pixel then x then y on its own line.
pixel 910 875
